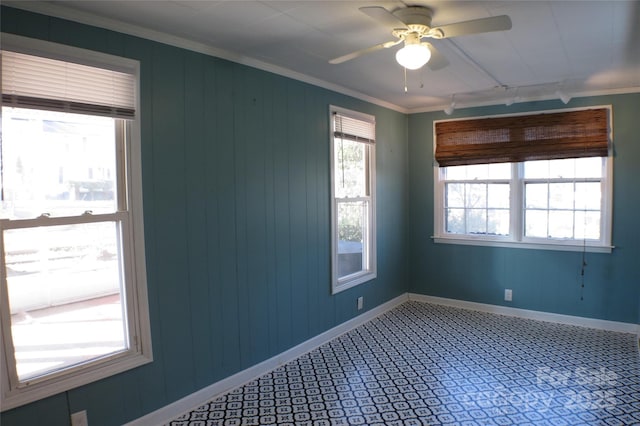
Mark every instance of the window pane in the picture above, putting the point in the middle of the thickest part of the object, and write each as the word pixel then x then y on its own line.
pixel 536 196
pixel 350 169
pixel 562 168
pixel 455 221
pixel 588 196
pixel 536 223
pixel 57 163
pixel 65 295
pixel 589 167
pixel 478 171
pixel 536 169
pixel 587 225
pixel 498 222
pixel 352 228
pixel 561 196
pixel 477 221
pixel 560 224
pixel 455 172
pixel 500 171
pixel 476 195
pixel 454 195
pixel 498 196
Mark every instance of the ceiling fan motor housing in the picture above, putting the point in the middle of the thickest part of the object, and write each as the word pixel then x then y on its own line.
pixel 418 21
pixel 418 16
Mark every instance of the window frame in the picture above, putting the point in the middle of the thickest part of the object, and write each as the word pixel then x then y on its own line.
pixel 130 220
pixel 369 245
pixel 516 237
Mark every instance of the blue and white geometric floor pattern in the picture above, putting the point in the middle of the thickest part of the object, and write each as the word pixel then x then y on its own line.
pixel 425 364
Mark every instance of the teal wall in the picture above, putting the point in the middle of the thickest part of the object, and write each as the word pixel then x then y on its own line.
pixel 541 280
pixel 237 220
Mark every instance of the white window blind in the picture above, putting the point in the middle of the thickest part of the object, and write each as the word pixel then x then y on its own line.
pixel 345 127
pixel 36 82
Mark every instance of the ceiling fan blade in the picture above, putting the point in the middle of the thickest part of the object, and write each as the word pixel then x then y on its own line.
pixel 476 26
pixel 437 61
pixel 383 16
pixel 361 52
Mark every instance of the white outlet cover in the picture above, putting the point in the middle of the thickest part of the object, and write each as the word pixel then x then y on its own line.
pixel 508 295
pixel 79 418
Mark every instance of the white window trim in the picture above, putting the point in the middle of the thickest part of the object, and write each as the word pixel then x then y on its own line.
pixel 369 247
pixel 517 238
pixel 140 351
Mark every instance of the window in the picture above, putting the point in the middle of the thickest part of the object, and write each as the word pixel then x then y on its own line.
pixel 353 198
pixel 544 202
pixel 73 295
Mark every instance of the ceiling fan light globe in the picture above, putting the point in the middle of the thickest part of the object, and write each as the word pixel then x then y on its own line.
pixel 413 56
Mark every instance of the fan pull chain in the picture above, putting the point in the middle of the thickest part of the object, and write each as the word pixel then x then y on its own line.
pixel 405 81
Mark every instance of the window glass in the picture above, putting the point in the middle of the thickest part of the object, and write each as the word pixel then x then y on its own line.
pixel 352 230
pixel 64 282
pixel 554 200
pixel 476 202
pixel 351 169
pixel 65 294
pixel 57 164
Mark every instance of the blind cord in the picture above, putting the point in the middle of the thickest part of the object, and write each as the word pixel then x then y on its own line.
pixel 341 149
pixel 584 265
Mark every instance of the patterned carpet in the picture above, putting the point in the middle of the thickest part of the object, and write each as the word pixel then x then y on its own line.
pixel 424 364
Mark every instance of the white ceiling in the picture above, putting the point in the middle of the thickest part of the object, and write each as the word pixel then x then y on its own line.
pixel 579 47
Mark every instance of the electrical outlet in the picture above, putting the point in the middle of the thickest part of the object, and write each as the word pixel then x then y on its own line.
pixel 79 418
pixel 360 302
pixel 508 294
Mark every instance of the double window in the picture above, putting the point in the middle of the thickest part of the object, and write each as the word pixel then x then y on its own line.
pixel 73 287
pixel 353 198
pixel 541 181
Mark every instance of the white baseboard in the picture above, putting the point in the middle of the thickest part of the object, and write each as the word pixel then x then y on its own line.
pixel 167 413
pixel 622 327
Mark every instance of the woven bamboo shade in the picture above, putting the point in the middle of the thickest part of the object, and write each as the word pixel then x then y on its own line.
pixel 572 134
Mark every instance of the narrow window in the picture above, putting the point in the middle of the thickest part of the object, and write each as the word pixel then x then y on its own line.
pixel 73 285
pixel 353 195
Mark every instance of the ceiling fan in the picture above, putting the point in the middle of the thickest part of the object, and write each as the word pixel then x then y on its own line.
pixel 411 24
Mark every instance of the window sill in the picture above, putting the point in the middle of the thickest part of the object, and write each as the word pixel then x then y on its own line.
pixel 76 377
pixel 354 281
pixel 559 246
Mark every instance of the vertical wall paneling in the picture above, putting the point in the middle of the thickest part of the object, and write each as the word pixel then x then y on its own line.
pixel 257 162
pixel 212 167
pixel 241 122
pixel 103 401
pixel 316 114
pixel 235 170
pixel 282 120
pixel 46 412
pixel 225 191
pixel 170 218
pixel 65 32
pixel 269 140
pixel 197 244
pixel 296 134
pixel 250 171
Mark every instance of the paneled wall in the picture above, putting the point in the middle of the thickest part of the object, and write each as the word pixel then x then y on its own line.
pixel 236 208
pixel 541 280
